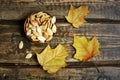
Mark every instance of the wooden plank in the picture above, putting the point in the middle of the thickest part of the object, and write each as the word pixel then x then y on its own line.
pixel 106 73
pixel 103 20
pixel 77 74
pixel 11 35
pixel 8 74
pixel 16 11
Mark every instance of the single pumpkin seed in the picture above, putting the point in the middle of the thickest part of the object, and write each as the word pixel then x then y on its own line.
pixel 54 28
pixel 39 29
pixel 41 39
pixel 21 45
pixel 28 32
pixel 49 31
pixel 53 19
pixel 29 55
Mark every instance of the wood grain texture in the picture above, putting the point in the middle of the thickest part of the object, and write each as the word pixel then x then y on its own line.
pixel 12 10
pixel 103 20
pixel 106 73
pixel 107 34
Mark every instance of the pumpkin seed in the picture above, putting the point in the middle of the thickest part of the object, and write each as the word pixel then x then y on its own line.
pixel 49 31
pixel 29 55
pixel 41 39
pixel 53 19
pixel 54 28
pixel 28 32
pixel 21 45
pixel 39 29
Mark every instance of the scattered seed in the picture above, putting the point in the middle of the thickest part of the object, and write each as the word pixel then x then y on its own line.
pixel 29 55
pixel 53 20
pixel 21 45
pixel 54 28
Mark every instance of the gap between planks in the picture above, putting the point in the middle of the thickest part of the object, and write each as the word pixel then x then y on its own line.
pixel 89 20
pixel 89 64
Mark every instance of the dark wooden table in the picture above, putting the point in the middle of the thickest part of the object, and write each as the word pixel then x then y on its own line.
pixel 103 19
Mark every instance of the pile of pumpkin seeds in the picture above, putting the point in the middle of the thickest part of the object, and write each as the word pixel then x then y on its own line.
pixel 40 27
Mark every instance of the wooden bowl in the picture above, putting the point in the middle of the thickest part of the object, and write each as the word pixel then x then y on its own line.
pixel 39 27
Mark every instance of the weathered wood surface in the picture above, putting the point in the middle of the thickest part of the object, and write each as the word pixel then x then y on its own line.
pixel 103 19
pixel 14 10
pixel 105 73
pixel 108 35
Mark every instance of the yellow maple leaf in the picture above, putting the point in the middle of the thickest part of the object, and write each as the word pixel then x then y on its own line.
pixel 85 49
pixel 53 59
pixel 76 16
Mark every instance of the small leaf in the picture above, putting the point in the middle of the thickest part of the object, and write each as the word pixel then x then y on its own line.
pixel 53 59
pixel 85 49
pixel 76 16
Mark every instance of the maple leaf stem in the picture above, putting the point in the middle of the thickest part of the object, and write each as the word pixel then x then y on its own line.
pixel 96 66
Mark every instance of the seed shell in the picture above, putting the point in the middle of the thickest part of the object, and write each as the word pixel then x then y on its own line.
pixel 29 55
pixel 53 20
pixel 21 45
pixel 54 28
